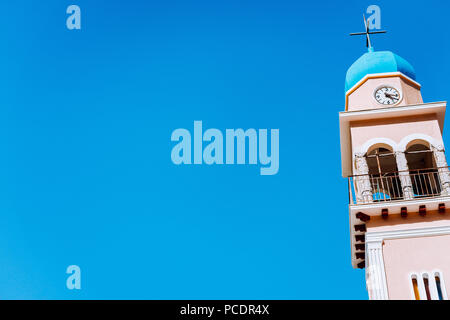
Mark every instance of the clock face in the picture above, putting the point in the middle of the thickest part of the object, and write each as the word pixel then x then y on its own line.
pixel 387 96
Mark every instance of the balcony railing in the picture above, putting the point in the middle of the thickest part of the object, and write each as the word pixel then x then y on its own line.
pixel 396 186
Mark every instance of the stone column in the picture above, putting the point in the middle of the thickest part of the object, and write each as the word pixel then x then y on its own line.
pixel 405 178
pixel 441 164
pixel 362 180
pixel 375 272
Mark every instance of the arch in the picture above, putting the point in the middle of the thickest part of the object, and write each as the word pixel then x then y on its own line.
pixel 440 285
pixel 382 168
pixel 418 142
pixel 418 154
pixel 417 138
pixel 378 143
pixel 379 146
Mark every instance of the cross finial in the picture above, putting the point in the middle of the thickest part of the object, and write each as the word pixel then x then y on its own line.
pixel 367 33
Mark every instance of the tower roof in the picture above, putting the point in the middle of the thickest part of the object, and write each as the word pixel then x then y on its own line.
pixel 377 62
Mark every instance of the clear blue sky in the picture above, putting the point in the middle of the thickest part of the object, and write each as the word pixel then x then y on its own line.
pixel 85 122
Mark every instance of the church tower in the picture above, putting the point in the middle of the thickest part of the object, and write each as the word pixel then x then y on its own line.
pixel 399 183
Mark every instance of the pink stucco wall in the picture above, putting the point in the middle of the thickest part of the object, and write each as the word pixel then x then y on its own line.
pixel 394 129
pixel 404 256
pixel 363 97
pixel 412 255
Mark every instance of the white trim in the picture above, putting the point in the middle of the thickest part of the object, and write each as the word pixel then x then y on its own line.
pixel 401 147
pixel 375 272
pixel 416 136
pixel 409 233
pixel 368 144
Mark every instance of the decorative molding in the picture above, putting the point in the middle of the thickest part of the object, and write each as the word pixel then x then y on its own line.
pixel 416 136
pixel 408 233
pixel 400 147
pixel 368 144
pixel 375 272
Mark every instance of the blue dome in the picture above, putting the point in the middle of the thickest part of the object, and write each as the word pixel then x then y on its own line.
pixel 377 62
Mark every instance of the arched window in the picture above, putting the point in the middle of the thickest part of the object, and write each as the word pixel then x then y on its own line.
pixel 415 285
pixel 423 171
pixel 383 174
pixel 427 286
pixel 437 279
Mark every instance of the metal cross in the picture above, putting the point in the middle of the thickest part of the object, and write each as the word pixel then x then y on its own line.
pixel 367 33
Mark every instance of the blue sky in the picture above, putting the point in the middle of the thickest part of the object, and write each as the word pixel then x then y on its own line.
pixel 86 116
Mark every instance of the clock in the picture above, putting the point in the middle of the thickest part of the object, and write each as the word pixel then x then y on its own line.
pixel 386 95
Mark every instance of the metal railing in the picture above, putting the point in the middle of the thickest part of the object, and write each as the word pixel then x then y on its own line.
pixel 391 186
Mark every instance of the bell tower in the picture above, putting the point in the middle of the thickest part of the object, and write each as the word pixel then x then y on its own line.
pixel 393 156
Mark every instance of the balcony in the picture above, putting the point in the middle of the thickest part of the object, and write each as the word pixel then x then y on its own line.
pixel 397 186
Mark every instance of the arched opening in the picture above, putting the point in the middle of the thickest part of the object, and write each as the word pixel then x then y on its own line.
pixel 423 170
pixel 419 156
pixel 383 174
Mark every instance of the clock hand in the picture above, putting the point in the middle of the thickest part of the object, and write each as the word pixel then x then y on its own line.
pixel 388 95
